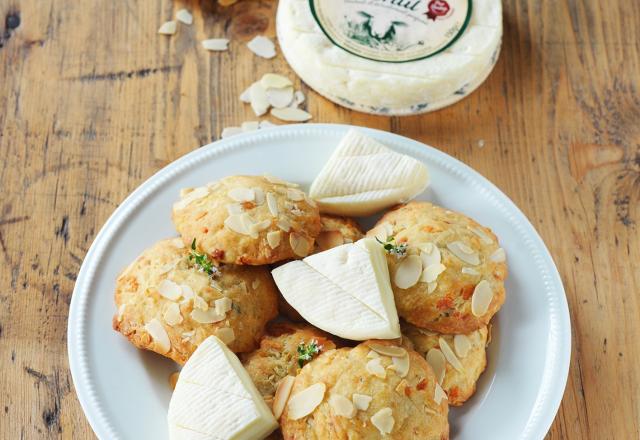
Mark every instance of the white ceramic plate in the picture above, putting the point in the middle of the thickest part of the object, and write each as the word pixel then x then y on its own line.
pixel 124 391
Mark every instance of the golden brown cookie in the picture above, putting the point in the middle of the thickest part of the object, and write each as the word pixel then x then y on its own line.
pixel 361 393
pixel 447 271
pixel 169 304
pixel 335 231
pixel 249 220
pixel 457 360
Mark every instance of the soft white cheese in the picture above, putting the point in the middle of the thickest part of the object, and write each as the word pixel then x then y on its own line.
pixel 344 291
pixel 215 399
pixel 363 176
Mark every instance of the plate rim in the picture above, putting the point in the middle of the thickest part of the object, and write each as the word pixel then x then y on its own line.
pixel 554 378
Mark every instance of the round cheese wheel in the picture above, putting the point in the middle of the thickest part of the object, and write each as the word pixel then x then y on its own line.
pixel 397 57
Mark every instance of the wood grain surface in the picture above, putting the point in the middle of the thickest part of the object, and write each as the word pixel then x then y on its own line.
pixel 93 101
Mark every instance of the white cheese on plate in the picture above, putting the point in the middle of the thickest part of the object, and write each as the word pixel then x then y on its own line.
pixel 215 399
pixel 356 66
pixel 344 291
pixel 363 176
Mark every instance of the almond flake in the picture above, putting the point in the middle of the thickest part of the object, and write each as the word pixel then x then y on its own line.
pixel 481 299
pixel 235 209
pixel 216 44
pixel 484 237
pixel 295 194
pixel 259 101
pixel 450 355
pixel 342 406
pixel 299 244
pixel 262 46
pixel 284 224
pixel 236 224
pixel 259 198
pixel 167 268
pixel 246 96
pixel 226 335
pixel 199 303
pixel 173 379
pixel 388 350
pixel 305 402
pixel 282 395
pixel 230 131
pixel 172 314
pixel 170 290
pixel 192 196
pixel 184 16
pixel 439 394
pixel 431 287
pixel 462 345
pixel 267 124
pixel 464 252
pixel 290 114
pixel 431 273
pixel 121 310
pixel 187 291
pixel 408 272
pixel 400 365
pixel 275 81
pixel 276 180
pixel 206 317
pixel 255 284
pixel 498 256
pixel 470 271
pixel 272 203
pixel 372 355
pixel 438 362
pixel 223 305
pixel 177 243
pixel 273 239
pixel 361 401
pixel 241 194
pixel 298 97
pixel 430 254
pixel 329 239
pixel 383 420
pixel 159 335
pixel 260 226
pixel 249 126
pixel 383 231
pixel 401 387
pixel 168 28
pixel 374 366
pixel 280 98
pixel 216 285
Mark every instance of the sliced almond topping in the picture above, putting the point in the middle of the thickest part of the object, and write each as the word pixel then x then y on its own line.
pixel 236 224
pixel 216 44
pixel 372 355
pixel 255 284
pixel 260 226
pixel 470 271
pixel 361 401
pixel 298 97
pixel 216 285
pixel 275 81
pixel 464 252
pixel 249 126
pixel 246 96
pixel 230 131
pixel 121 310
pixel 431 287
pixel 199 303
pixel 401 365
pixel 242 194
pixel 383 420
pixel 278 181
pixel 498 256
pixel 284 224
pixel 272 203
pixel 374 366
pixel 273 239
pixel 167 267
pixel 282 395
pixel 173 379
pixel 159 335
pixel 484 237
pixel 184 16
pixel 450 355
pixel 303 403
pixel 187 291
pixel 300 245
pixel 168 28
pixel 329 239
pixel 206 317
pixel 290 114
pixel 280 98
pixel 408 272
pixel 197 193
pixel 177 243
pixel 431 273
pixel 401 387
pixel 223 305
pixel 170 290
pixel 439 394
pixel 481 299
pixel 388 350
pixel 383 231
pixel 226 335
pixel 259 100
pixel 267 124
pixel 437 361
pixel 430 254
pixel 461 345
pixel 342 406
pixel 262 46
pixel 235 209
pixel 295 194
pixel 172 314
pixel 259 195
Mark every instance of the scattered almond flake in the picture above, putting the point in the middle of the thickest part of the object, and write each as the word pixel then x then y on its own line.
pixel 235 223
pixel 437 361
pixel 402 385
pixel 383 420
pixel 449 355
pixel 249 225
pixel 298 97
pixel 374 366
pixel 187 291
pixel 430 254
pixel 199 303
pixel 388 350
pixel 462 345
pixel 246 96
pixel 295 194
pixel 177 243
pixel 241 194
pixel 259 193
pixel 226 335
pixel 290 114
pixel 408 272
pixel 439 394
pixel 372 355
pixel 168 28
pixel 170 290
pixel 484 237
pixel 159 335
pixel 278 181
pixel 272 203
pixel 431 273
pixel 470 271
pixel 186 336
pixel 284 224
pixel 216 44
pixel 280 98
pixel 167 267
pixel 329 239
pixel 426 332
pixel 383 231
pixel 464 252
pixel 259 101
pixel 206 317
pixel 305 402
pixel 222 305
pixel 299 244
pixel 481 299
pixel 296 211
pixel 267 124
pixel 498 256
pixel 235 209
pixel 361 401
pixel 184 16
pixel 282 395
pixel 310 201
pixel 401 365
pixel 342 406
pixel 192 196
pixel 273 239
pixel 172 315
pixel 173 379
pixel 249 126
pixel 275 81
pixel 262 46
pixel 431 287
pixel 121 310
pixel 216 285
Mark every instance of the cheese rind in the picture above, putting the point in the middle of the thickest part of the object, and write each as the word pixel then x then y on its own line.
pixel 344 291
pixel 215 399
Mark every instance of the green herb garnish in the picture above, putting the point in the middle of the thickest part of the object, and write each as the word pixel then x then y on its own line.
pixel 202 262
pixel 399 250
pixel 306 352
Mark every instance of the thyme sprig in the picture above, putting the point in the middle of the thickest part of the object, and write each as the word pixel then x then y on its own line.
pixel 392 248
pixel 306 352
pixel 202 261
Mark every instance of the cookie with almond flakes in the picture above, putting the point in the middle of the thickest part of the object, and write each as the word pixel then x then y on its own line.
pixel 336 231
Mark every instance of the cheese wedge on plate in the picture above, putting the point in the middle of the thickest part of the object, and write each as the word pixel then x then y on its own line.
pixel 363 176
pixel 344 291
pixel 215 399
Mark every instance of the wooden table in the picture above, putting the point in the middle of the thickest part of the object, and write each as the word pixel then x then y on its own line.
pixel 93 102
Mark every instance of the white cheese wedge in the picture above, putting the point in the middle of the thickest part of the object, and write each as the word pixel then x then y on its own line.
pixel 215 399
pixel 344 291
pixel 363 176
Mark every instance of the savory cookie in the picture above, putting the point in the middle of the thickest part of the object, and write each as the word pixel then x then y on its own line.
pixel 364 392
pixel 447 271
pixel 250 220
pixel 278 354
pixel 170 299
pixel 457 360
pixel 335 231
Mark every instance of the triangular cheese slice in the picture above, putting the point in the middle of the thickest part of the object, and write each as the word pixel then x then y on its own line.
pixel 344 291
pixel 363 176
pixel 215 398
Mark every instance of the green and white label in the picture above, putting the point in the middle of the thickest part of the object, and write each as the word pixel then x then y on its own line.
pixel 395 31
